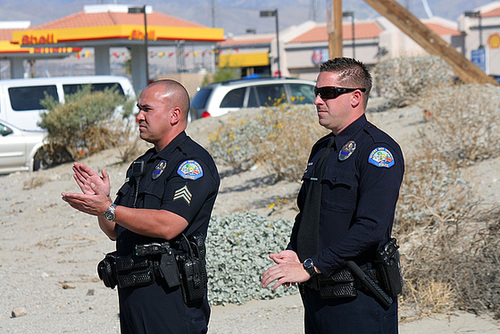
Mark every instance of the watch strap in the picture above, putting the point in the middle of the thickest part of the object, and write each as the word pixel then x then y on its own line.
pixel 309 267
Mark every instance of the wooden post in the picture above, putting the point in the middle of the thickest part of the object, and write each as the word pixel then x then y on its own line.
pixel 338 34
pixel 335 44
pixel 430 41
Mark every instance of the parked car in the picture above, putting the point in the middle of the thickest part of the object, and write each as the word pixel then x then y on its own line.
pixel 220 98
pixel 20 98
pixel 19 150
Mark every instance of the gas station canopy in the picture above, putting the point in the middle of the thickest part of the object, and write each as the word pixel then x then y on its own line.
pixel 105 26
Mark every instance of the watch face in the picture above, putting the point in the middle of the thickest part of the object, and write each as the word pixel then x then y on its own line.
pixel 308 263
pixel 109 214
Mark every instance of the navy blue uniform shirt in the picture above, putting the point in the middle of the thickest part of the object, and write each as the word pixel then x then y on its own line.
pixel 182 179
pixel 360 189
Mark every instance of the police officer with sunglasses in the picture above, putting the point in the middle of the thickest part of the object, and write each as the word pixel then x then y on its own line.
pixel 347 203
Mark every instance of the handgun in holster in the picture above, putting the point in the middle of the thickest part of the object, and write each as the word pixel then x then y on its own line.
pixel 193 269
pixel 167 264
pixel 389 269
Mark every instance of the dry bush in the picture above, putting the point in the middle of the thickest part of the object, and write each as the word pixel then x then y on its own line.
pixel 433 192
pixel 428 296
pixel 280 138
pixel 464 121
pixel 464 256
pixel 402 80
pixel 446 237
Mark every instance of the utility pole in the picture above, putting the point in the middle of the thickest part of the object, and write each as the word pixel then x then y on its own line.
pixel 335 44
pixel 430 41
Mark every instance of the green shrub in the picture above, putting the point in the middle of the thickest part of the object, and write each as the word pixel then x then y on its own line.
pixel 87 123
pixel 221 74
pixel 238 248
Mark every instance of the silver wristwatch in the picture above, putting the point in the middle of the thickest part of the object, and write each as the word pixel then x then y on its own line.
pixel 109 214
pixel 309 267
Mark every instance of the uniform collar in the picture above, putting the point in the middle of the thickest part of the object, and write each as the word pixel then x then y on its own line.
pixel 349 132
pixel 169 149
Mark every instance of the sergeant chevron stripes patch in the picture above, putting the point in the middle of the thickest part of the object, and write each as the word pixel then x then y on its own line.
pixel 183 193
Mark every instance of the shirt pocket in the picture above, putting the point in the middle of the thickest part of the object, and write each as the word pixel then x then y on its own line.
pixel 339 190
pixel 124 193
pixel 152 196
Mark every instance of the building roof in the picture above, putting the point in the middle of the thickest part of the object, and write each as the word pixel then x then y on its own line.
pixel 247 40
pixel 491 13
pixel 114 25
pixel 442 30
pixel 84 19
pixel 368 29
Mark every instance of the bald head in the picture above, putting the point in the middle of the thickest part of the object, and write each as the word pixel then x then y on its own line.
pixel 175 93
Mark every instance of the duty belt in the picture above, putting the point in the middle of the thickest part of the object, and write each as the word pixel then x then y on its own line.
pixel 340 285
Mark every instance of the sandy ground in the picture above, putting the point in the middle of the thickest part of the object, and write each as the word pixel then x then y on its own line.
pixel 48 251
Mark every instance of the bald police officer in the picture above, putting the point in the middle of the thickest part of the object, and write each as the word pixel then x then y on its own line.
pixel 168 195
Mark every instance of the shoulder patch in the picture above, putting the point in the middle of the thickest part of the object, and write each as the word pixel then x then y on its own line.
pixel 381 157
pixel 190 169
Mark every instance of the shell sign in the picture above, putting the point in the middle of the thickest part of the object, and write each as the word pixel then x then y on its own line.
pixel 494 41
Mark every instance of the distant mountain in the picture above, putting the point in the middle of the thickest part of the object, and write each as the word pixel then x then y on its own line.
pixel 235 16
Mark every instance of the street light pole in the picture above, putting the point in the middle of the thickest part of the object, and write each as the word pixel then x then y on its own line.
pixel 139 10
pixel 267 13
pixel 351 14
pixel 477 14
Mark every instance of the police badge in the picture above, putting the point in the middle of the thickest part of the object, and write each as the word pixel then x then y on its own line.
pixel 159 168
pixel 347 150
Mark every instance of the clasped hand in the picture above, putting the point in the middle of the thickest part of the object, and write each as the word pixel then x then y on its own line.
pixel 95 197
pixel 287 271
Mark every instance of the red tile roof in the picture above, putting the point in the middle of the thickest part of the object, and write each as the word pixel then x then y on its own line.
pixel 442 30
pixel 82 19
pixel 6 34
pixel 492 13
pixel 235 41
pixel 319 34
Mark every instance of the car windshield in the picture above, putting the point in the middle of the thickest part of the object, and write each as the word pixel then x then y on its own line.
pixel 301 94
pixel 199 100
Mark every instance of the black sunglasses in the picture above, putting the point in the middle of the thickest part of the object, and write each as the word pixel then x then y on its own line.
pixel 331 92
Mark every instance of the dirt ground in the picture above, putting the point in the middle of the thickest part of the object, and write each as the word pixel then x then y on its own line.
pixel 48 251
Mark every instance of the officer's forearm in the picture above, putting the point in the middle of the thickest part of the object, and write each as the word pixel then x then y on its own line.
pixel 109 228
pixel 150 222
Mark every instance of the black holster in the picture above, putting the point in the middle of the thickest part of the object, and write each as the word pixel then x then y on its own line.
pixel 192 268
pixel 389 269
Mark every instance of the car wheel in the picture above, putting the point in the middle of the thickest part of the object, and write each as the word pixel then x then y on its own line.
pixel 37 160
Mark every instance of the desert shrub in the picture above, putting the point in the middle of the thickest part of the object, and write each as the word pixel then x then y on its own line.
pixel 87 123
pixel 280 138
pixel 462 259
pixel 402 80
pixel 221 74
pixel 463 121
pixel 449 245
pixel 238 248
pixel 433 192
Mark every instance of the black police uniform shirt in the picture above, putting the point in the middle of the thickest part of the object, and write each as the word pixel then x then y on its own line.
pixel 360 189
pixel 182 179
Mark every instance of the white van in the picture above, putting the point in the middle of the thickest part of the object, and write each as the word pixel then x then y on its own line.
pixel 20 98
